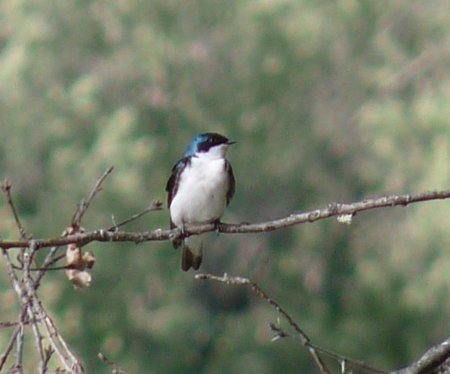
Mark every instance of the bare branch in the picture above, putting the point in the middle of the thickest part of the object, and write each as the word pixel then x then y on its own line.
pixel 75 228
pixel 37 315
pixel 19 349
pixel 6 188
pixel 58 345
pixel 76 220
pixel 301 335
pixel 17 336
pixel 26 279
pixel 8 324
pixel 9 347
pixel 13 339
pixel 49 260
pixel 258 291
pixel 435 360
pixel 332 210
pixel 155 205
pixel 343 360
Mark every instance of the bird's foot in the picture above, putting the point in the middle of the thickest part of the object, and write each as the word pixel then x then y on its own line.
pixel 178 238
pixel 183 232
pixel 218 226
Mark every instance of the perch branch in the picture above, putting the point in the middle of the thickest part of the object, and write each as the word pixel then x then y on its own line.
pixel 332 210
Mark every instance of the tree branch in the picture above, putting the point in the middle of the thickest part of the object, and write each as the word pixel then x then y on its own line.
pixel 76 219
pixel 332 210
pixel 435 361
pixel 6 188
pixel 315 351
pixel 260 293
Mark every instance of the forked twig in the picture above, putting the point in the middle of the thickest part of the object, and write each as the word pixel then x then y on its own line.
pixel 59 346
pixel 280 333
pixel 259 292
pixel 76 225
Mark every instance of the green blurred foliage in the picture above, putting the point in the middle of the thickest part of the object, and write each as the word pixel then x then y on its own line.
pixel 329 101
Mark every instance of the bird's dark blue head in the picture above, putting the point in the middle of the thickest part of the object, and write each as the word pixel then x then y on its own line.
pixel 204 142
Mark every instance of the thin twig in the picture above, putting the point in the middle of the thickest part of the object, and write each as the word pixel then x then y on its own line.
pixel 69 361
pixel 9 347
pixel 280 333
pixel 13 339
pixel 8 324
pixel 49 260
pixel 13 277
pixel 47 269
pixel 19 349
pixel 31 294
pixel 76 220
pixel 51 333
pixel 260 293
pixel 155 205
pixel 115 367
pixel 48 355
pixel 6 188
pixel 21 294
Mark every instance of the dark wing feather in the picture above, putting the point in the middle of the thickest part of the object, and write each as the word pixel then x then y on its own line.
pixel 232 182
pixel 172 183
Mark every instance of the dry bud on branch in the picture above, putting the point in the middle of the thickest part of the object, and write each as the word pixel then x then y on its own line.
pixel 78 262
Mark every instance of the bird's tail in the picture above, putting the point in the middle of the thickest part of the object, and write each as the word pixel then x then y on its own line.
pixel 192 252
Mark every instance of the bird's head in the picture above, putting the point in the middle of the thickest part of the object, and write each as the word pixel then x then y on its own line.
pixel 210 143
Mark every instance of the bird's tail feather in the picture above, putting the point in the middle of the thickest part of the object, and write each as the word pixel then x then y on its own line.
pixel 192 253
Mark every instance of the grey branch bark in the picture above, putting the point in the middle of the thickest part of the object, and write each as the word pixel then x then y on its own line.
pixel 332 210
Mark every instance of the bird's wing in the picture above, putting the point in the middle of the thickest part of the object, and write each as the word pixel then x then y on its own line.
pixel 232 182
pixel 172 183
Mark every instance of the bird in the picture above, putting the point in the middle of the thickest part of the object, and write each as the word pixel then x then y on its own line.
pixel 199 189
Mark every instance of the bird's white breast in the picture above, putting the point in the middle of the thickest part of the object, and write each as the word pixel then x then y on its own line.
pixel 202 191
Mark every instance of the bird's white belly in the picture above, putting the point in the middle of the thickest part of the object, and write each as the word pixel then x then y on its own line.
pixel 201 195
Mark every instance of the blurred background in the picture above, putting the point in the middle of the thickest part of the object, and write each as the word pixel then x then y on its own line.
pixel 330 101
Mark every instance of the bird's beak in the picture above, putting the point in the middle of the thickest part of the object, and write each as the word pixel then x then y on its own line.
pixel 229 142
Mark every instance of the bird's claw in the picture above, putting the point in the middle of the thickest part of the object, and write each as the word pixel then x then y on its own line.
pixel 218 226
